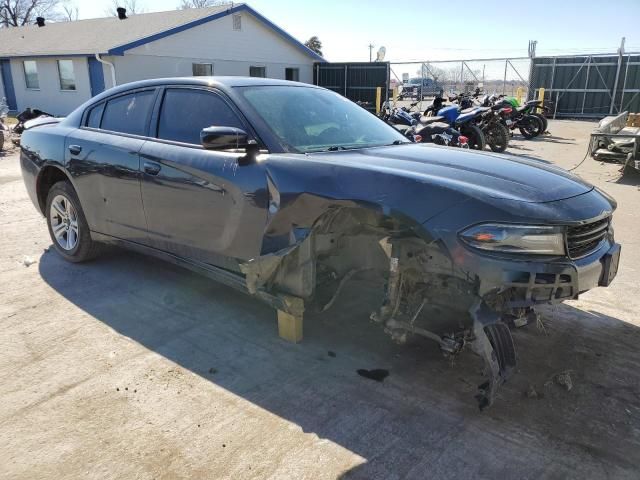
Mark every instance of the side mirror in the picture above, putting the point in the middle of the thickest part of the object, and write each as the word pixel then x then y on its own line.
pixel 224 138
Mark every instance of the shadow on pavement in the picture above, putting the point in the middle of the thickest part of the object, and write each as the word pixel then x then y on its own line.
pixel 422 421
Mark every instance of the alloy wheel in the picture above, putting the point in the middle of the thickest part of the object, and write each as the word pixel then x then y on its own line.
pixel 64 222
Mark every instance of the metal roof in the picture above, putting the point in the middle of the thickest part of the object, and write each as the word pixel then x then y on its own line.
pixel 114 36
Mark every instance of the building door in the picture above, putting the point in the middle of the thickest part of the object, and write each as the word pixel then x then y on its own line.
pixel 7 81
pixel 96 76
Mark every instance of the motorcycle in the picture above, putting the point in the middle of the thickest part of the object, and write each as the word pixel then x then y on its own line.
pixel 496 134
pixel 513 117
pixel 430 130
pixel 466 124
pixel 537 108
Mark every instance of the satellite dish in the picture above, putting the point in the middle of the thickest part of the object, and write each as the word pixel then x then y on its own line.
pixel 381 53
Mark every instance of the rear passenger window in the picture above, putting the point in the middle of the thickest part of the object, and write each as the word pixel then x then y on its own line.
pixel 95 115
pixel 128 113
pixel 185 112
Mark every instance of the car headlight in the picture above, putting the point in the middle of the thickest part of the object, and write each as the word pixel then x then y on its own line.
pixel 505 238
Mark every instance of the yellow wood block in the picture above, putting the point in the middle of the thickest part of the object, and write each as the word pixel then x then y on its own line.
pixel 289 327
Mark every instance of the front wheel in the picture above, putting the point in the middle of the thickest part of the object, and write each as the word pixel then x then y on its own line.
pixel 67 224
pixel 475 136
pixel 530 126
pixel 497 137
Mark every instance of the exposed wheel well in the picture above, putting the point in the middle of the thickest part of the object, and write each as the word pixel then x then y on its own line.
pixel 47 178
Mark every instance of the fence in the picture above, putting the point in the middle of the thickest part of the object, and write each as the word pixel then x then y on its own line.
pixel 357 81
pixel 506 76
pixel 591 85
pixel 574 86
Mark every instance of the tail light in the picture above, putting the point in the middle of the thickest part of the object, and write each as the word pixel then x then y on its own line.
pixel 417 138
pixel 463 140
pixel 506 110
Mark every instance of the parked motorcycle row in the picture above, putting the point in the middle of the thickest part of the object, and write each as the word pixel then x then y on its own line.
pixel 469 120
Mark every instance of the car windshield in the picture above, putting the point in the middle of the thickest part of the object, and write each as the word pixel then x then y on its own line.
pixel 313 120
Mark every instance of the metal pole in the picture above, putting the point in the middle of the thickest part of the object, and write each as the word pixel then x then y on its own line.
pixel 615 85
pixel 462 76
pixel 555 107
pixel 624 84
pixel 504 81
pixel 345 79
pixel 586 84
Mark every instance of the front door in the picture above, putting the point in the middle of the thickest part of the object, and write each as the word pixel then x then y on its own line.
pixel 200 204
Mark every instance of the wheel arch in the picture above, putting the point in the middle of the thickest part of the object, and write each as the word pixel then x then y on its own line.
pixel 48 176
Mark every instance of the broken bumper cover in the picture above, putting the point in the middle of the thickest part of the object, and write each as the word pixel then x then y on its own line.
pixel 527 283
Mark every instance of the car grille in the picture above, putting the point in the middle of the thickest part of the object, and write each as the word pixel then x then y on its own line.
pixel 585 239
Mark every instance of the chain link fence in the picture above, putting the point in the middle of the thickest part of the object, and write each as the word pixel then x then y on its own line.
pixel 421 81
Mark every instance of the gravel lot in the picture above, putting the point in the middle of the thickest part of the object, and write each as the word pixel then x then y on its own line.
pixel 131 368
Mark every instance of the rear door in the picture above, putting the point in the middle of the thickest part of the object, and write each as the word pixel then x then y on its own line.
pixel 103 157
pixel 200 204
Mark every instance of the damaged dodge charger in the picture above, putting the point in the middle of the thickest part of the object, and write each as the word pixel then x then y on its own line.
pixel 286 191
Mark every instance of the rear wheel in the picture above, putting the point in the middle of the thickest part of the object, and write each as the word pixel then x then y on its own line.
pixel 543 119
pixel 67 224
pixel 530 126
pixel 497 137
pixel 475 136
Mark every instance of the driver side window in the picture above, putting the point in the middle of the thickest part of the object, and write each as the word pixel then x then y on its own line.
pixel 185 112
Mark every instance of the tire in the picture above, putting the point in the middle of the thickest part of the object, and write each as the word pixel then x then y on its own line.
pixel 530 126
pixel 543 119
pixel 497 137
pixel 475 136
pixel 72 238
pixel 502 342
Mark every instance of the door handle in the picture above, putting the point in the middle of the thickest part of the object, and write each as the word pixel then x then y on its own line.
pixel 151 168
pixel 75 149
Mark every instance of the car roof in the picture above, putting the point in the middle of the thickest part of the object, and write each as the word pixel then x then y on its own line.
pixel 220 82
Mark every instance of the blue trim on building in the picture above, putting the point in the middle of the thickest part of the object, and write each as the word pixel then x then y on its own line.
pixel 7 82
pixel 96 76
pixel 240 8
pixel 53 55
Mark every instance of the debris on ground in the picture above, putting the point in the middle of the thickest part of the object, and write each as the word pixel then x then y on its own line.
pixel 377 374
pixel 28 261
pixel 563 379
pixel 531 393
pixel 331 354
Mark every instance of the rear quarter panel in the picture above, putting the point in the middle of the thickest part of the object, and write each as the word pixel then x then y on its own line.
pixel 39 147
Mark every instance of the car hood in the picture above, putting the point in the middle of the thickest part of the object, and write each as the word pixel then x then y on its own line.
pixel 474 173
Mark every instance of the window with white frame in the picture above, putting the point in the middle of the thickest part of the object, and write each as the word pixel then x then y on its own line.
pixel 66 75
pixel 31 74
pixel 258 72
pixel 202 69
pixel 237 22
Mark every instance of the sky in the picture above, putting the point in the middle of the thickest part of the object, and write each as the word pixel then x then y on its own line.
pixel 428 30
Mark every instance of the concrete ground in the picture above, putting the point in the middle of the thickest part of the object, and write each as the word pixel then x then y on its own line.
pixel 128 367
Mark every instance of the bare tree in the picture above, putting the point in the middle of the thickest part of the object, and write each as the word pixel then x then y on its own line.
pixel 314 44
pixel 16 13
pixel 71 12
pixel 132 7
pixel 185 4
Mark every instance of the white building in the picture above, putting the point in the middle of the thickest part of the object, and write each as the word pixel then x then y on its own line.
pixel 58 66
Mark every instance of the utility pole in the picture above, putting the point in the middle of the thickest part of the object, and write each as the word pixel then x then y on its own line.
pixel 371 47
